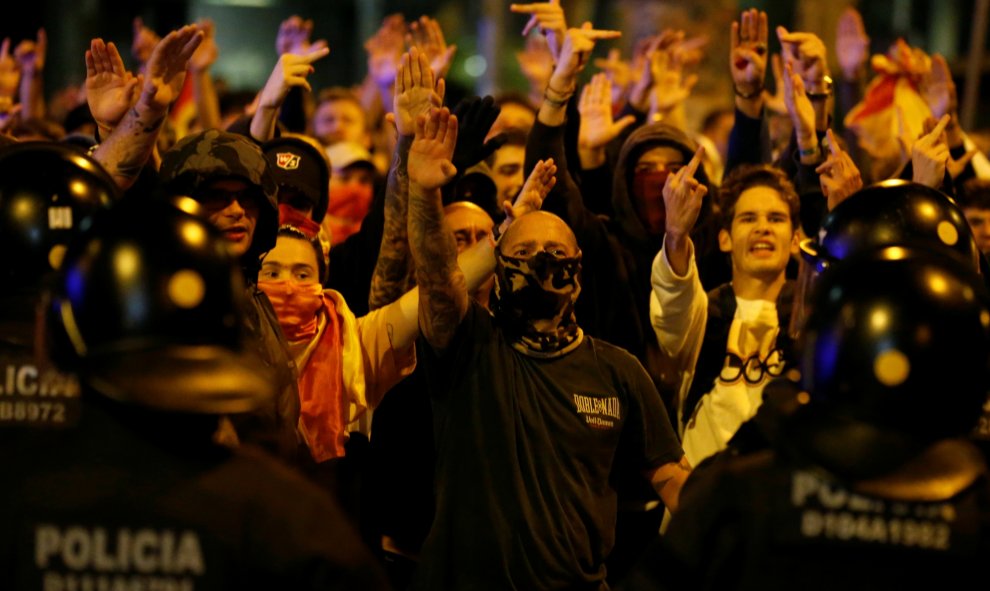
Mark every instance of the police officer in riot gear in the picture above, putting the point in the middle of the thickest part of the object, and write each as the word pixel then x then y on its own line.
pixel 870 481
pixel 148 311
pixel 890 213
pixel 47 192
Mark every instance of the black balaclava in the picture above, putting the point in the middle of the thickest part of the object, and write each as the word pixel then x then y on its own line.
pixel 535 302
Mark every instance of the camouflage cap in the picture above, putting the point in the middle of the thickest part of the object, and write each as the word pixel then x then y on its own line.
pixel 212 155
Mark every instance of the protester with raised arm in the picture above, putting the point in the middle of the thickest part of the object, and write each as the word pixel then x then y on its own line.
pixel 729 342
pixel 533 418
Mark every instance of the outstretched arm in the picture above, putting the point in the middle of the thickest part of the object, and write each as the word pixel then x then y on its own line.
pixel 416 92
pixel 130 145
pixel 207 101
pixel 31 56
pixel 443 295
pixel 682 195
pixel 290 71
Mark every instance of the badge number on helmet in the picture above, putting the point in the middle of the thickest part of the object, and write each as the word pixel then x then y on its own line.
pixel 287 160
pixel 59 218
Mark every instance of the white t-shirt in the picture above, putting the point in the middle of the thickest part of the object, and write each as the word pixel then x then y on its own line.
pixel 678 312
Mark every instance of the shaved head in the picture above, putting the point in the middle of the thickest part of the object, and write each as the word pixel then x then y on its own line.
pixel 537 231
pixel 465 206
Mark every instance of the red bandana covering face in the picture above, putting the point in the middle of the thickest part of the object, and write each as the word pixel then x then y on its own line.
pixel 648 197
pixel 348 206
pixel 295 305
pixel 323 411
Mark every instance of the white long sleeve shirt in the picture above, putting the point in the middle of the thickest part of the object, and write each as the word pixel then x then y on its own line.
pixel 679 313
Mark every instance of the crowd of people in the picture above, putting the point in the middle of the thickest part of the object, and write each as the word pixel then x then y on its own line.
pixel 364 338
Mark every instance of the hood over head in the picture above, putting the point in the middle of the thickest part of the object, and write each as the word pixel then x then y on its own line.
pixel 645 138
pixel 213 154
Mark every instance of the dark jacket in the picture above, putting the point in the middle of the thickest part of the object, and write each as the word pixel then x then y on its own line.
pixel 214 154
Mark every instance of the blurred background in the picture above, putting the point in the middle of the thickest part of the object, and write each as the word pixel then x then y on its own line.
pixel 488 35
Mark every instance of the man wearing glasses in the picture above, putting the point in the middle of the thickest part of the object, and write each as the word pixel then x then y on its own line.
pixel 729 342
pixel 229 176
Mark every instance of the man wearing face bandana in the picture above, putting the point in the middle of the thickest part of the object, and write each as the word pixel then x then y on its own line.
pixel 532 417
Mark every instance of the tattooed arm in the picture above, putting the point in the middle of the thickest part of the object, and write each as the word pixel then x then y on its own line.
pixel 416 92
pixel 130 145
pixel 391 276
pixel 443 295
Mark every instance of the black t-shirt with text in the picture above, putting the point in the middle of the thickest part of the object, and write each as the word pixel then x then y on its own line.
pixel 527 451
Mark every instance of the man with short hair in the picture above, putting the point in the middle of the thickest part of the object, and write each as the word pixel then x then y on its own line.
pixel 506 166
pixel 340 117
pixel 729 342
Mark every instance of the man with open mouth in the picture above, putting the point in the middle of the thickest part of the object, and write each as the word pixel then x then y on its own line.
pixel 729 342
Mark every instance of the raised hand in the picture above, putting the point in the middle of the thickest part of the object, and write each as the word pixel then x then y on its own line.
pixel 385 49
pixel 536 62
pixel 619 73
pixel 416 91
pixel 549 17
pixel 290 71
pixel 802 114
pixel 670 86
pixel 427 36
pixel 682 195
pixel 430 154
pixel 10 73
pixel 806 54
pixel 577 45
pixel 839 177
pixel 956 167
pixel 31 54
pixel 166 68
pixel 938 89
pixel 110 88
pixel 642 66
pixel 930 154
pixel 690 51
pixel 144 41
pixel 536 188
pixel 775 102
pixel 852 45
pixel 597 125
pixel 206 54
pixel 475 117
pixel 748 53
pixel 293 37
